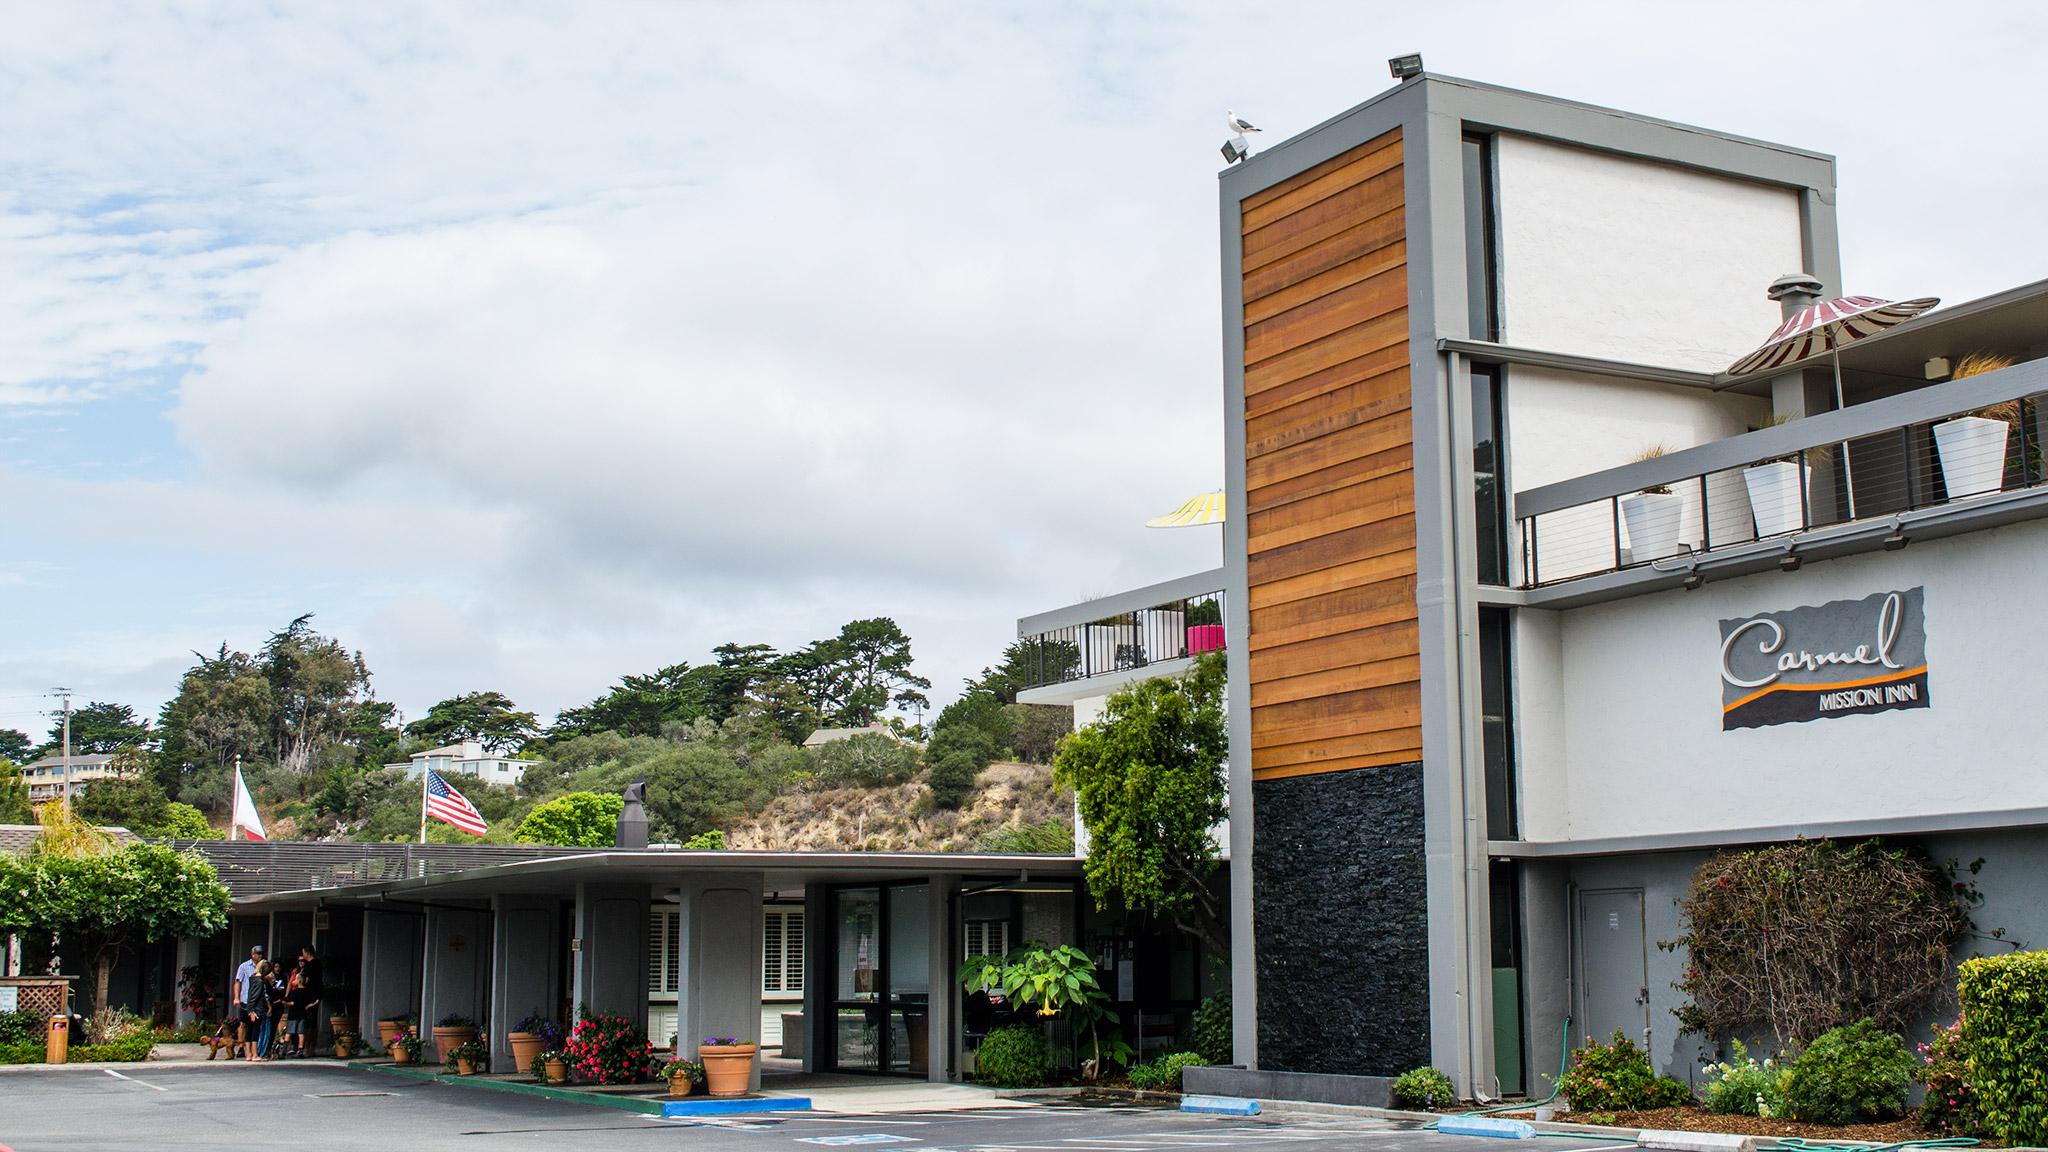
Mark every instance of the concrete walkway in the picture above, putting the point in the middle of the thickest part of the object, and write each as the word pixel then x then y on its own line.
pixel 863 1094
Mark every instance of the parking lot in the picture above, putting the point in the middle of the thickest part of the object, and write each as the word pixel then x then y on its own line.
pixel 333 1108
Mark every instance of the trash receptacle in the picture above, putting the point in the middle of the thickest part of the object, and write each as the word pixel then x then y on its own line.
pixel 57 1041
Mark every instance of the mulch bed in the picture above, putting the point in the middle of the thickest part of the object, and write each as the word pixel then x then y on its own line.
pixel 1700 1120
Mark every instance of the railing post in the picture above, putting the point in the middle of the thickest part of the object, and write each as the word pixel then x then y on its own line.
pixel 2026 455
pixel 1614 510
pixel 1535 555
pixel 1706 517
pixel 1805 491
pixel 1906 450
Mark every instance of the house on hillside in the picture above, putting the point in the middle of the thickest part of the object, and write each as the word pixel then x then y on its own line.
pixel 55 776
pixel 824 736
pixel 467 759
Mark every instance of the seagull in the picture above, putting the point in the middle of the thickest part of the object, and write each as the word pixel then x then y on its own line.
pixel 1238 124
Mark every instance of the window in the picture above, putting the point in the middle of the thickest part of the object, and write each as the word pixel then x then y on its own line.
pixel 782 950
pixel 1496 729
pixel 985 938
pixel 1482 312
pixel 1489 492
pixel 664 962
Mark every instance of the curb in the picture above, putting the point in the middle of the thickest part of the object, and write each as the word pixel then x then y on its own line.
pixel 691 1106
pixel 150 1065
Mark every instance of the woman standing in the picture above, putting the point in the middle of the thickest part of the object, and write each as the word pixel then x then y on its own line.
pixel 307 1005
pixel 259 1001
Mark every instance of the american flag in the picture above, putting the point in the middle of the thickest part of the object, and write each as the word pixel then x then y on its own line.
pixel 447 805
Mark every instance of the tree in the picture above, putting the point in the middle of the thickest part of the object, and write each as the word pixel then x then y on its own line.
pixel 315 686
pixel 183 822
pixel 14 805
pixel 696 787
pixel 577 820
pixel 101 728
pixel 485 717
pixel 112 902
pixel 15 745
pixel 1148 778
pixel 640 705
pixel 136 803
pixel 222 711
pixel 1026 663
pixel 1037 729
pixel 864 760
pixel 875 657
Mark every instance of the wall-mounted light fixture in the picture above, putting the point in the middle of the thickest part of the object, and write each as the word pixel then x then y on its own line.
pixel 1235 150
pixel 1404 67
pixel 1937 367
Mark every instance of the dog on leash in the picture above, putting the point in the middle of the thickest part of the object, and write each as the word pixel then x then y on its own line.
pixel 224 1039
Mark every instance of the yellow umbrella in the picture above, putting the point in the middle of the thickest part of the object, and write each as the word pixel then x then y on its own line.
pixel 1204 509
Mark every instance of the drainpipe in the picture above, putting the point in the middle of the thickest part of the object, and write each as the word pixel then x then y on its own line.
pixel 1790 396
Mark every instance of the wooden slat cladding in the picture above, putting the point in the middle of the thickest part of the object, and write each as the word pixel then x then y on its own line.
pixel 1329 469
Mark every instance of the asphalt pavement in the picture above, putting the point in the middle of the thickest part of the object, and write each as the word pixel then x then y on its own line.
pixel 281 1106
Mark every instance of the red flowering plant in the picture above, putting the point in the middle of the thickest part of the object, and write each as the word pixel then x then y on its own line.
pixel 605 1048
pixel 1951 1107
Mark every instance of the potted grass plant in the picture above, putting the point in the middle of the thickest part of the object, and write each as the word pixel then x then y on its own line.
pixel 346 1044
pixel 728 1065
pixel 684 1076
pixel 1655 516
pixel 1777 489
pixel 552 1066
pixel 1972 447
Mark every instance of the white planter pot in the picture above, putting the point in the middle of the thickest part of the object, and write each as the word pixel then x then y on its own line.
pixel 1774 492
pixel 1655 521
pixel 1972 451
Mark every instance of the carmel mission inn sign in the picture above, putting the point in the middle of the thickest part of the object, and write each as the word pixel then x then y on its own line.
pixel 1842 658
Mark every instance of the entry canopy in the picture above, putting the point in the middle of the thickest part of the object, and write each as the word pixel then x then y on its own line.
pixel 1204 509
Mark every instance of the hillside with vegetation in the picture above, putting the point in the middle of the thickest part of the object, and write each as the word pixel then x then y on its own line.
pixel 719 745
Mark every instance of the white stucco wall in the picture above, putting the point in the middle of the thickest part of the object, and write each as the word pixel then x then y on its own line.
pixel 1563 424
pixel 1642 752
pixel 1631 260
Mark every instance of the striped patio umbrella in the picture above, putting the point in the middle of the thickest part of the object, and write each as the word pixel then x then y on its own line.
pixel 1204 509
pixel 1822 329
pixel 1825 327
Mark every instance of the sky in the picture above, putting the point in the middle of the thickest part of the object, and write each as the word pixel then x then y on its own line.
pixel 529 345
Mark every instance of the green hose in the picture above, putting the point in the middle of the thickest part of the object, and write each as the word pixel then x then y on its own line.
pixel 1564 1056
pixel 1795 1144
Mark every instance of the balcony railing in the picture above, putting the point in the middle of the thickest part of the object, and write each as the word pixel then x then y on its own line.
pixel 1173 630
pixel 1965 440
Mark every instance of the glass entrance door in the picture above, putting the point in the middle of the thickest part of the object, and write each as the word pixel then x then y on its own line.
pixel 881 978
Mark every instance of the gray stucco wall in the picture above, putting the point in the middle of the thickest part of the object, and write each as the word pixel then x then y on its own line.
pixel 1343 919
pixel 2013 882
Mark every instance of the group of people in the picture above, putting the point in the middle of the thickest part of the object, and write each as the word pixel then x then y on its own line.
pixel 270 1005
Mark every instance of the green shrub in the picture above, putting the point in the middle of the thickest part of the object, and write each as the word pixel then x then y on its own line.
pixel 1952 1106
pixel 1424 1088
pixel 1013 1057
pixel 952 778
pixel 1164 1073
pixel 1745 1086
pixel 2005 1039
pixel 1854 1074
pixel 126 1050
pixel 20 1026
pixel 1210 1030
pixel 1617 1077
pixel 21 1053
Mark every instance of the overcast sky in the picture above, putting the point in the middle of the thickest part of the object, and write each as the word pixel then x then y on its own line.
pixel 530 345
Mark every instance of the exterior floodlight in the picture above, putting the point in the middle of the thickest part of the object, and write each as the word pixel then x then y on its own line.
pixel 1694 579
pixel 1235 150
pixel 1404 67
pixel 1896 541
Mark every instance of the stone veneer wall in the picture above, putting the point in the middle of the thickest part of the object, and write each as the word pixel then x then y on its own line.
pixel 1342 916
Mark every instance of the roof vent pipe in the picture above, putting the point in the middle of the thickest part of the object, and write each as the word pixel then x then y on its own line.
pixel 632 830
pixel 1795 291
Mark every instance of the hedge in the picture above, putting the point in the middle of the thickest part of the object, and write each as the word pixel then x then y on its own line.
pixel 2005 1034
pixel 136 1047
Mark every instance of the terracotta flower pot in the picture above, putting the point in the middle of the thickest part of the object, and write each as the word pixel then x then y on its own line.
pixel 389 1030
pixel 447 1038
pixel 557 1071
pixel 727 1068
pixel 336 1025
pixel 464 1067
pixel 401 1056
pixel 679 1085
pixel 525 1046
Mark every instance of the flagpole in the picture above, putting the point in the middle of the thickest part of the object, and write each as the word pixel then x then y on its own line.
pixel 235 801
pixel 423 802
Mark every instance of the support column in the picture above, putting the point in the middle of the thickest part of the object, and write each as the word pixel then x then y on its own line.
pixel 525 958
pixel 457 966
pixel 942 1048
pixel 391 967
pixel 188 957
pixel 720 949
pixel 818 977
pixel 611 949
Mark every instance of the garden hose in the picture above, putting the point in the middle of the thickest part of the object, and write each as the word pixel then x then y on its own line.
pixel 1564 1057
pixel 1796 1144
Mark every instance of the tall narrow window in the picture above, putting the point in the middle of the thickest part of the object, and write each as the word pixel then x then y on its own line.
pixel 1496 727
pixel 782 951
pixel 1482 314
pixel 1504 898
pixel 1489 495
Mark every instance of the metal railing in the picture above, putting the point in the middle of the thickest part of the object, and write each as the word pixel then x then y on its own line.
pixel 1963 440
pixel 1188 626
pixel 258 868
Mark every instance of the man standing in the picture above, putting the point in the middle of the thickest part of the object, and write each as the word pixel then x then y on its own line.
pixel 238 1000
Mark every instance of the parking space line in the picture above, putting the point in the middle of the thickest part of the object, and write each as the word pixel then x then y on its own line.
pixel 133 1080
